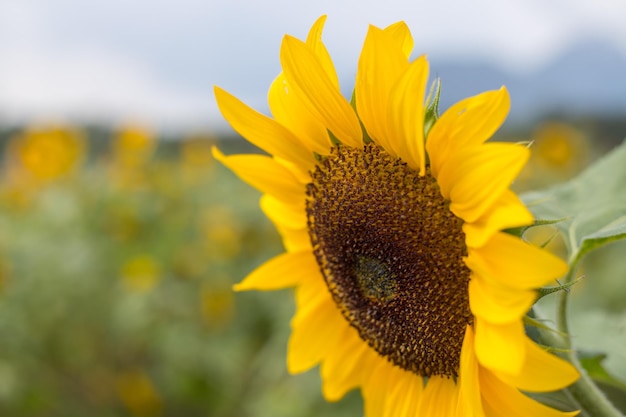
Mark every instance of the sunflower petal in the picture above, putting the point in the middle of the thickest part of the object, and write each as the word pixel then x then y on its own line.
pixel 469 388
pixel 262 131
pixel 467 123
pixel 315 327
pixel 514 263
pixel 501 347
pixel 541 371
pixel 289 110
pixel 440 398
pixel 507 212
pixel 265 174
pixel 375 388
pixel 400 32
pixel 289 216
pixel 497 304
pixel 294 240
pixel 502 400
pixel 283 271
pixel 380 65
pixel 343 370
pixel 404 398
pixel 485 174
pixel 314 40
pixel 406 109
pixel 323 99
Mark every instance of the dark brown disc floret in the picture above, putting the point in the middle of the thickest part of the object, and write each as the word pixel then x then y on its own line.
pixel 391 253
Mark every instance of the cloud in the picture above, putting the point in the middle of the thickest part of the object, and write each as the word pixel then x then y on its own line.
pixel 91 85
pixel 114 59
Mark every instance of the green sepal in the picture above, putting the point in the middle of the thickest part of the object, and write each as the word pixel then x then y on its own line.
pixel 432 106
pixel 333 139
pixel 562 287
pixel 533 322
pixel 519 231
pixel 366 136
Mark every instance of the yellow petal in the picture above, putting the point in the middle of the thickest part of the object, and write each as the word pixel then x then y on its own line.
pixel 323 99
pixel 502 400
pixel 440 398
pixel 404 398
pixel 391 391
pixel 501 347
pixel 375 389
pixel 514 263
pixel 507 212
pixel 294 240
pixel 479 181
pixel 262 131
pixel 314 40
pixel 542 371
pixel 289 110
pixel 283 271
pixel 470 403
pixel 289 216
pixel 467 123
pixel 497 304
pixel 406 114
pixel 400 32
pixel 343 369
pixel 264 174
pixel 381 63
pixel 315 327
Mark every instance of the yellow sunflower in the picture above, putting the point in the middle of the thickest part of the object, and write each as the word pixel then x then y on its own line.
pixel 406 287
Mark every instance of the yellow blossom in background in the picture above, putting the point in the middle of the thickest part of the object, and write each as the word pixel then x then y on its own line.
pixel 217 303
pixel 559 152
pixel 195 151
pixel 223 236
pixel 141 273
pixel 138 394
pixel 559 146
pixel 196 159
pixel 5 272
pixel 190 261
pixel 132 149
pixel 133 146
pixel 47 153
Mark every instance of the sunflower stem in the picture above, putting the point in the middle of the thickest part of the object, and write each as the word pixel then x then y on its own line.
pixel 586 393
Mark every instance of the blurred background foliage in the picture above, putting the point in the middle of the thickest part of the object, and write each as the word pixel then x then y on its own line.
pixel 118 250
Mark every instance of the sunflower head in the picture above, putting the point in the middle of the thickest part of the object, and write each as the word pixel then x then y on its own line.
pixel 406 285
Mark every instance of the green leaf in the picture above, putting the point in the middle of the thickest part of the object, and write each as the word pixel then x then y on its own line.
pixel 591 207
pixel 612 387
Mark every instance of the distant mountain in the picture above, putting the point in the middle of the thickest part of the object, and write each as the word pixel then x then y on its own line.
pixel 589 78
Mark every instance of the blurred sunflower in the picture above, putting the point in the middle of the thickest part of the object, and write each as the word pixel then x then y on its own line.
pixel 405 284
pixel 138 394
pixel 132 149
pixel 50 152
pixel 141 273
pixel 133 145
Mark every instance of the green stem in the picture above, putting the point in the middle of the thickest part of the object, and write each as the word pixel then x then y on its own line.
pixel 585 391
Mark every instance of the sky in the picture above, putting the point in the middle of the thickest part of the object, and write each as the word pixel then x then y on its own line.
pixel 156 62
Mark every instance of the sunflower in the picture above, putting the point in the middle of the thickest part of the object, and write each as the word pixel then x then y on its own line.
pixel 406 286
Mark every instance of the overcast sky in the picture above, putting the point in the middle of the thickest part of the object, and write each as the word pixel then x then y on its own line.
pixel 156 61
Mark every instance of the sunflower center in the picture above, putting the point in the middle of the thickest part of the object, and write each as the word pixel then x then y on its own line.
pixel 391 253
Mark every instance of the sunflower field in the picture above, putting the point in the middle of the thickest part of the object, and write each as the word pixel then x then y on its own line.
pixel 118 252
